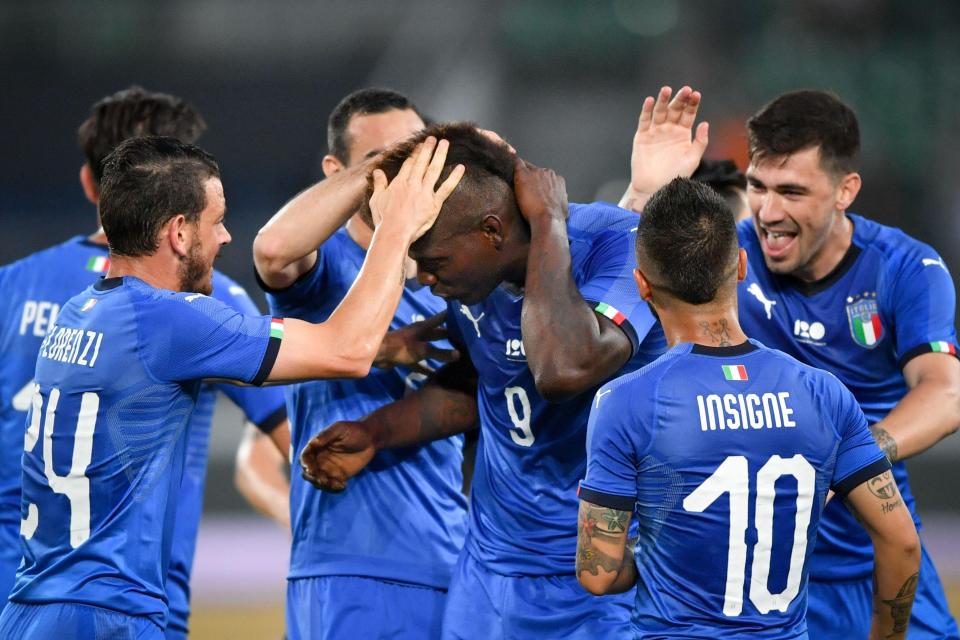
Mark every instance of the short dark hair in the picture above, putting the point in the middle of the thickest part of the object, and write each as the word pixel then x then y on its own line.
pixel 362 102
pixel 146 182
pixel 688 235
pixel 135 112
pixel 483 158
pixel 725 178
pixel 802 119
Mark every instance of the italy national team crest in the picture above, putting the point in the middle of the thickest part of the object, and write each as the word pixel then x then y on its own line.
pixel 864 317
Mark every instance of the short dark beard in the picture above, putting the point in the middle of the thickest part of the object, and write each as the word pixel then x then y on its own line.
pixel 193 272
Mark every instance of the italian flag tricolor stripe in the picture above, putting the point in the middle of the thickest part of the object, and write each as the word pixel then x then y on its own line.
pixel 609 312
pixel 868 332
pixel 276 328
pixel 941 346
pixel 735 372
pixel 98 264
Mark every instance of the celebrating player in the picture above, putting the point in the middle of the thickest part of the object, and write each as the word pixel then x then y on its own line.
pixel 47 279
pixel 861 300
pixel 543 310
pixel 716 415
pixel 118 375
pixel 374 562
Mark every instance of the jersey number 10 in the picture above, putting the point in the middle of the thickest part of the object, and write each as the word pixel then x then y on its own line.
pixel 75 485
pixel 732 477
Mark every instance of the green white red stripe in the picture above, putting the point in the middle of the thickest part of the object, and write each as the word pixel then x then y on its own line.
pixel 734 372
pixel 609 312
pixel 941 346
pixel 276 328
pixel 98 264
pixel 867 332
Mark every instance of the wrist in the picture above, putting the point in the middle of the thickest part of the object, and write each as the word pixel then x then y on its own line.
pixel 544 219
pixel 634 199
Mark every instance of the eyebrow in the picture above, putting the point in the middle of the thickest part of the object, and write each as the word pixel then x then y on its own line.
pixel 784 186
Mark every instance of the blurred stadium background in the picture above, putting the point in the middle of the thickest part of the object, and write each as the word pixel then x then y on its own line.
pixel 562 80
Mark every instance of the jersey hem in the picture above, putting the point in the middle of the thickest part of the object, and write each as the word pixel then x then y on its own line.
pixel 926 348
pixel 609 500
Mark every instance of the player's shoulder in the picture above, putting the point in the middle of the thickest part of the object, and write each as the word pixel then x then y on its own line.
pixel 228 291
pixel 818 381
pixel 893 244
pixel 747 233
pixel 50 255
pixel 642 382
pixel 598 219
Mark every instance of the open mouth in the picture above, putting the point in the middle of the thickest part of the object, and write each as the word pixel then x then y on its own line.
pixel 777 243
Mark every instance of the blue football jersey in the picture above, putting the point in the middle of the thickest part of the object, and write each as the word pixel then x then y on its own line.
pixel 530 455
pixel 263 406
pixel 726 455
pixel 890 299
pixel 116 381
pixel 403 517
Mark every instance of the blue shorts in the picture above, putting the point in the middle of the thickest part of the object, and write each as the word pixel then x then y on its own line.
pixel 483 604
pixel 843 610
pixel 351 607
pixel 74 621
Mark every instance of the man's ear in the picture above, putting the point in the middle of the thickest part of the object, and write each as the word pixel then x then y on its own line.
pixel 90 189
pixel 643 285
pixel 179 233
pixel 847 191
pixel 331 165
pixel 492 229
pixel 741 265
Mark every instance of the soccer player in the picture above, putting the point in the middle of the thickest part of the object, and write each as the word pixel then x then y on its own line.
pixel 118 375
pixel 42 282
pixel 726 450
pixel 542 309
pixel 374 562
pixel 864 301
pixel 724 177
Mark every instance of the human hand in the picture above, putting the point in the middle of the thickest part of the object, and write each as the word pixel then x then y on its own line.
pixel 662 145
pixel 336 454
pixel 410 345
pixel 410 201
pixel 540 192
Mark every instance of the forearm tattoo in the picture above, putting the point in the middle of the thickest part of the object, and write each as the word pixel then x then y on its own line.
pixel 599 523
pixel 900 606
pixel 886 442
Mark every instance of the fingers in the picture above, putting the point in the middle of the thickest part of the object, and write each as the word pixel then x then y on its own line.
pixel 661 104
pixel 442 355
pixel 434 321
pixel 379 181
pixel 646 115
pixel 436 164
pixel 449 185
pixel 422 158
pixel 407 167
pixel 701 138
pixel 685 110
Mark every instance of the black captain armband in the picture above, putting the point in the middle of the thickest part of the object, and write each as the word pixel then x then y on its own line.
pixel 937 346
pixel 857 478
pixel 608 500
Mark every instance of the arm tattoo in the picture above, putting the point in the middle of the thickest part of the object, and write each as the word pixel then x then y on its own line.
pixel 886 442
pixel 884 487
pixel 901 604
pixel 603 524
pixel 718 331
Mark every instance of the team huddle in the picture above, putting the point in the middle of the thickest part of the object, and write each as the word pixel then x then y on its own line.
pixel 689 426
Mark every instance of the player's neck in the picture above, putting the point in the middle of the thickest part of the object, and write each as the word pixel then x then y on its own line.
pixel 359 232
pixel 709 325
pixel 153 270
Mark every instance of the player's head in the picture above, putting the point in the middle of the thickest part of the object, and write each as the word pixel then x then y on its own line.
pixel 802 177
pixel 127 114
pixel 687 248
pixel 365 123
pixel 728 181
pixel 479 236
pixel 159 194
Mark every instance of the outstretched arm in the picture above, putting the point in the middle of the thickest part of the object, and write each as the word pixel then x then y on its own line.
pixel 896 546
pixel 347 344
pixel 662 146
pixel 286 247
pixel 444 406
pixel 604 553
pixel 929 412
pixel 569 347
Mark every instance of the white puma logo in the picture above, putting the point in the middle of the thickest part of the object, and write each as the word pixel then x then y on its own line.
pixel 929 262
pixel 465 310
pixel 756 292
pixel 193 297
pixel 600 394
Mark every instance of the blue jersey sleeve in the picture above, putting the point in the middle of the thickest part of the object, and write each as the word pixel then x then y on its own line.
pixel 609 288
pixel 263 406
pixel 923 300
pixel 613 450
pixel 858 456
pixel 186 337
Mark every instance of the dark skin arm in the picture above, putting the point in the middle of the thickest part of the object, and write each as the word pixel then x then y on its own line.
pixel 446 405
pixel 572 356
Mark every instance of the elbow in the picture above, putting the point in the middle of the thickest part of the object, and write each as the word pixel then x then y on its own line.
pixel 358 360
pixel 555 385
pixel 268 256
pixel 593 584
